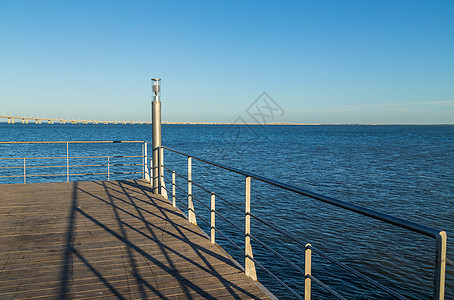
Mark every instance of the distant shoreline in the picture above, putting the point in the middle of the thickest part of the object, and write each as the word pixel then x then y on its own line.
pixel 252 124
pixel 302 124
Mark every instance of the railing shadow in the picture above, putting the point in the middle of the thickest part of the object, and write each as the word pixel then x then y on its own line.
pixel 130 215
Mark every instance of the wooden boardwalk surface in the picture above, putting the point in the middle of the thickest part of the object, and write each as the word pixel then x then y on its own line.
pixel 108 239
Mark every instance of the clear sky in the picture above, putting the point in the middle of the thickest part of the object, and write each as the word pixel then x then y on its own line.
pixel 386 61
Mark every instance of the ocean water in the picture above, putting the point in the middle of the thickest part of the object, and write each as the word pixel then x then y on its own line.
pixel 405 171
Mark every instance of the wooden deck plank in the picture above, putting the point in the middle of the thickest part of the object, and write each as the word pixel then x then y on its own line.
pixel 108 239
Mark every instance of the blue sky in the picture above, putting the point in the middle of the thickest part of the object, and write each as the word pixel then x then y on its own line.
pixel 321 61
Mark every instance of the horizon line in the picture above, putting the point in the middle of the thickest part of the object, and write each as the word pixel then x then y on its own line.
pixel 233 123
pixel 295 123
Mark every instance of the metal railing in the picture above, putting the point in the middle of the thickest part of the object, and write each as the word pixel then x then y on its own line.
pixel 108 167
pixel 250 262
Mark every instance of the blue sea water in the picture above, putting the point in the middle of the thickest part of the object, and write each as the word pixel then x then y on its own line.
pixel 405 171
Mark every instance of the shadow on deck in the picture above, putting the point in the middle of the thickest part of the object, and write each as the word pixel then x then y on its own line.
pixel 108 239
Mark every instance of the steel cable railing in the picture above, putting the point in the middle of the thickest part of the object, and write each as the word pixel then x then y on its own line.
pixel 440 236
pixel 205 220
pixel 240 230
pixel 206 206
pixel 72 170
pixel 325 287
pixel 253 237
pixel 276 278
pixel 357 273
pixel 178 199
pixel 342 265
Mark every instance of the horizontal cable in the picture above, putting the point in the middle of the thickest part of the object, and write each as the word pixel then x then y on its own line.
pixel 326 288
pixel 217 230
pixel 271 225
pixel 357 273
pixel 166 168
pixel 203 219
pixel 290 263
pixel 201 202
pixel 58 166
pixel 217 195
pixel 275 277
pixel 230 203
pixel 125 173
pixel 22 158
pixel 422 229
pixel 72 142
pixel 181 201
pixel 71 166
pixel 178 187
pixel 71 157
pixel 117 165
pixel 181 176
pixel 13 167
pixel 75 174
pixel 229 240
pixel 163 187
pixel 228 221
pixel 105 156
pixel 166 179
pixel 201 187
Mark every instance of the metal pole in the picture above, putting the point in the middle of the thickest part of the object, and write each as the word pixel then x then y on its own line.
pixel 67 162
pixel 25 175
pixel 440 266
pixel 249 265
pixel 108 168
pixel 307 271
pixel 174 203
pixel 191 213
pixel 156 120
pixel 213 217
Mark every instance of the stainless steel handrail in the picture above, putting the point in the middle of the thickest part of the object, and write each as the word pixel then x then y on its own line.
pixel 287 261
pixel 439 235
pixel 428 231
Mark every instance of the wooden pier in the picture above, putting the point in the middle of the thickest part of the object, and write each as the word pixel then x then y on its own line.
pixel 108 239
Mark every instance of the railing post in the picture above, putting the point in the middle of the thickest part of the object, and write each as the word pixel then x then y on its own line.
pixel 67 162
pixel 307 271
pixel 108 167
pixel 156 120
pixel 440 266
pixel 161 174
pixel 143 160
pixel 213 218
pixel 161 165
pixel 249 265
pixel 191 212
pixel 25 174
pixel 146 171
pixel 174 202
